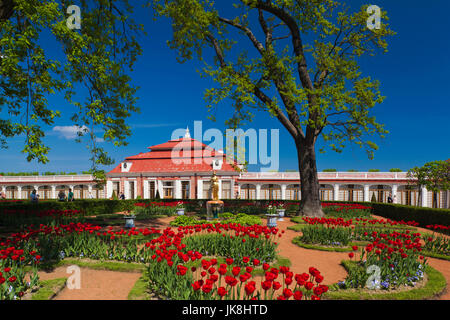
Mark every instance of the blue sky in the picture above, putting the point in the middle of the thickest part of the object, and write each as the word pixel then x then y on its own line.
pixel 413 76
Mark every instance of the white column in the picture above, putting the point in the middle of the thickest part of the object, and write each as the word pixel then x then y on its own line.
pixel 4 190
pixel 394 193
pixel 283 192
pixel 448 198
pixel 220 189
pixel 109 189
pixel 53 191
pixel 160 188
pixel 126 189
pixel 146 194
pixel 258 191
pixel 135 188
pixel 366 193
pixel 336 192
pixel 178 189
pixel 19 191
pixel 199 189
pixel 90 191
pixel 424 197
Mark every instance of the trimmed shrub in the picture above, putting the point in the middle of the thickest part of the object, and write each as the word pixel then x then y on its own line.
pixel 423 216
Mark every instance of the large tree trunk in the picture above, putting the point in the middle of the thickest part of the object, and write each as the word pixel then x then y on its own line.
pixel 309 182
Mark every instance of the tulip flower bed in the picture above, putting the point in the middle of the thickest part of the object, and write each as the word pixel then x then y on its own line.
pixel 48 244
pixel 168 253
pixel 397 258
pixel 326 232
pixel 346 210
pixel 340 231
pixel 172 275
pixel 437 244
pixel 225 218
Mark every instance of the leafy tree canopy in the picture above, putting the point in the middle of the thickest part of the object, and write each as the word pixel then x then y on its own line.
pixel 434 175
pixel 90 71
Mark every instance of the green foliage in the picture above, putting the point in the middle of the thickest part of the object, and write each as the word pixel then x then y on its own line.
pixel 395 170
pixel 433 287
pixel 95 59
pixel 186 221
pixel 230 246
pixel 319 234
pixel 336 211
pixel 49 288
pixel 437 244
pixel 435 175
pixel 327 96
pixel 227 217
pixel 424 216
pixel 374 170
pixel 329 170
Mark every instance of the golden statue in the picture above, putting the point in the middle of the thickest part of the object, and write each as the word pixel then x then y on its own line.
pixel 215 187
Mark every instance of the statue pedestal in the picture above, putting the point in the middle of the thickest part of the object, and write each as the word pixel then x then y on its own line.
pixel 213 208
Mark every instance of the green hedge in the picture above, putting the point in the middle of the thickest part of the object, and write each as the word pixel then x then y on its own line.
pixel 423 216
pixel 87 207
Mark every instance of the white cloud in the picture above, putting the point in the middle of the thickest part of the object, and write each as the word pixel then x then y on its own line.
pixel 68 132
pixel 99 140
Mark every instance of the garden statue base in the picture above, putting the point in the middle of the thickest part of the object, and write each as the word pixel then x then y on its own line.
pixel 213 208
pixel 280 214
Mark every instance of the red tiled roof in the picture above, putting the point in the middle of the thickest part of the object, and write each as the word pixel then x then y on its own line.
pixel 181 155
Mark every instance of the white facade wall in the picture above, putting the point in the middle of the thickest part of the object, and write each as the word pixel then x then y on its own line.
pixel 365 184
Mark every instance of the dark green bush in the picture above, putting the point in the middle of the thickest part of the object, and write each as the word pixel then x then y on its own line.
pixel 423 216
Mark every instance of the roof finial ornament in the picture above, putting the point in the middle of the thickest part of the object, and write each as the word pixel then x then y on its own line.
pixel 187 134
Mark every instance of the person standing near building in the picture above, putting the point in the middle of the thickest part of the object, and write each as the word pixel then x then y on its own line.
pixel 34 197
pixel 390 198
pixel 122 196
pixel 70 195
pixel 61 196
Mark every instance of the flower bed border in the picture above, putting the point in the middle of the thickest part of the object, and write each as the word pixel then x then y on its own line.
pixel 48 289
pixel 432 289
pixel 435 255
pixel 320 247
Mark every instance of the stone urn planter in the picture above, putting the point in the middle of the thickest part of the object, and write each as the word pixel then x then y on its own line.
pixel 281 214
pixel 129 221
pixel 272 220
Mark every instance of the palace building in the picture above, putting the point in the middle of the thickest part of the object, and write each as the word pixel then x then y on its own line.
pixel 182 169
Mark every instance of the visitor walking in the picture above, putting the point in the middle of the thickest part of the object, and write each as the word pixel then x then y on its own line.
pixel 122 196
